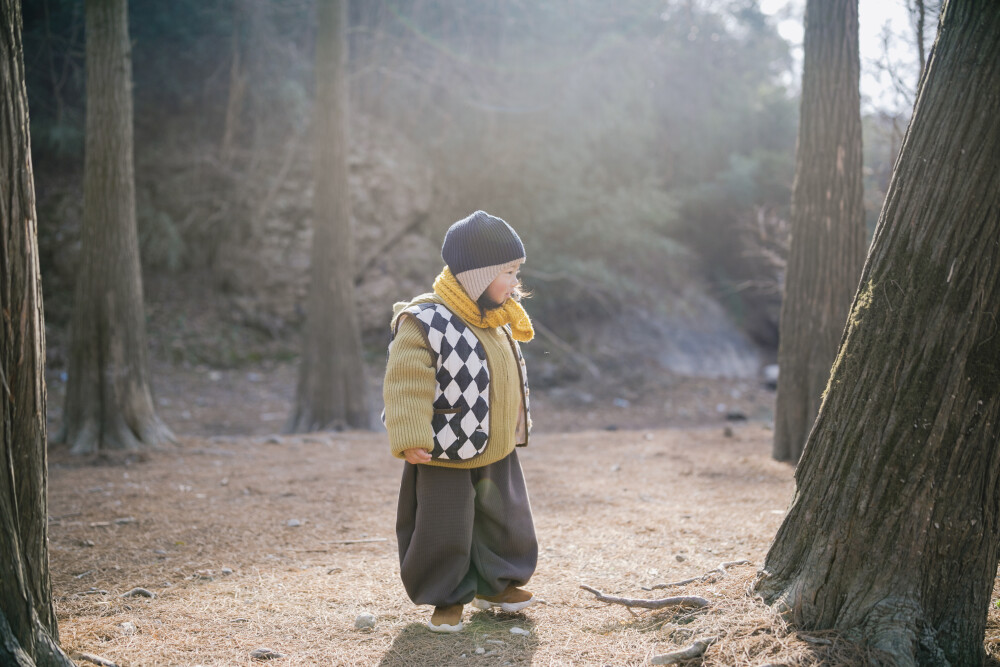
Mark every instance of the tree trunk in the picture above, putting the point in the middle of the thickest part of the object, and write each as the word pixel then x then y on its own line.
pixel 332 389
pixel 828 221
pixel 108 404
pixel 28 631
pixel 894 530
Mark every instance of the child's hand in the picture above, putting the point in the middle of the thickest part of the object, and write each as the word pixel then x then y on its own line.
pixel 417 455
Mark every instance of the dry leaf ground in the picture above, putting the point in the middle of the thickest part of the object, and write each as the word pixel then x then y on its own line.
pixel 209 527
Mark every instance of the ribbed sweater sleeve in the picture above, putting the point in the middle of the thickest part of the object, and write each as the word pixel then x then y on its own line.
pixel 409 390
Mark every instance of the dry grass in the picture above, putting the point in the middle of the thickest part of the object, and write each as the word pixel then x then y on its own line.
pixel 616 510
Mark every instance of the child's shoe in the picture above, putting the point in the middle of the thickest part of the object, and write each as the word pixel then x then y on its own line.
pixel 446 619
pixel 512 599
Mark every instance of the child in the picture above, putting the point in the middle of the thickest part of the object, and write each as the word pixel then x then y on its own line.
pixel 456 405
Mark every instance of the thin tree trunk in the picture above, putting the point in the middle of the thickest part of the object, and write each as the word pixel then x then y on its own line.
pixel 894 530
pixel 28 631
pixel 108 403
pixel 828 221
pixel 234 100
pixel 332 389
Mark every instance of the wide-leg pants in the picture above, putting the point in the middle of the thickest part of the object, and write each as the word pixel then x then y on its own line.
pixel 464 532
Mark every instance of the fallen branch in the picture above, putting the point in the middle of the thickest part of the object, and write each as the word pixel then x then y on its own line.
pixel 695 650
pixel 705 578
pixel 96 659
pixel 678 601
pixel 359 541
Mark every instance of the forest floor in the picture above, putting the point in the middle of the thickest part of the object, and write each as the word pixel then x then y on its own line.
pixel 252 540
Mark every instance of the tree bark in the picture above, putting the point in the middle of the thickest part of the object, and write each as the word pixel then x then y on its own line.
pixel 332 389
pixel 828 221
pixel 108 403
pixel 28 631
pixel 894 530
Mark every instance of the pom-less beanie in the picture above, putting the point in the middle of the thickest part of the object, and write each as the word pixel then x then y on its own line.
pixel 478 248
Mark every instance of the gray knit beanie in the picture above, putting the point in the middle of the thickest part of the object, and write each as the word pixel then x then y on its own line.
pixel 478 248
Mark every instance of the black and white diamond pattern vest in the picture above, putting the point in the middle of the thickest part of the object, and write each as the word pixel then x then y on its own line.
pixel 461 422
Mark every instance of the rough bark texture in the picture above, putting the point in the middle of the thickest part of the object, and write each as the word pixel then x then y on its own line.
pixel 828 221
pixel 894 530
pixel 108 403
pixel 28 632
pixel 332 389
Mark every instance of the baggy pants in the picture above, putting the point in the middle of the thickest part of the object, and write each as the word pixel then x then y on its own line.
pixel 464 532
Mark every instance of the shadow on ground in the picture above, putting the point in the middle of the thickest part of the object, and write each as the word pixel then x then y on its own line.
pixel 486 634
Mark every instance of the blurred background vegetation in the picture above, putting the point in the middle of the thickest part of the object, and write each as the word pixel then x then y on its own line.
pixel 644 150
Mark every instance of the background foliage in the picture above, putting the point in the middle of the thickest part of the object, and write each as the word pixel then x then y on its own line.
pixel 638 146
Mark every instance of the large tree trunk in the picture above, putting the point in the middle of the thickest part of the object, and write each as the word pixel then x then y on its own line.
pixel 332 389
pixel 108 404
pixel 894 530
pixel 828 221
pixel 28 632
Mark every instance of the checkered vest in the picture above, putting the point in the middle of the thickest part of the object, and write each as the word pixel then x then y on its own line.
pixel 461 422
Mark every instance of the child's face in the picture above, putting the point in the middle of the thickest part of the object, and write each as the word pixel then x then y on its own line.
pixel 503 286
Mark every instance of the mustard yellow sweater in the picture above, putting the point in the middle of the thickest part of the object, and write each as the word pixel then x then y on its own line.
pixel 410 385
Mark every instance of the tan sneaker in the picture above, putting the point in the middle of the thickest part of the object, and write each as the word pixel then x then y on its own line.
pixel 512 599
pixel 446 619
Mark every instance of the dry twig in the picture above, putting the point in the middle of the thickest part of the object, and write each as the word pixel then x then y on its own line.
pixel 708 577
pixel 358 541
pixel 678 601
pixel 695 650
pixel 96 659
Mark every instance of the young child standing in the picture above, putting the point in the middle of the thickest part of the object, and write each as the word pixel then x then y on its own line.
pixel 456 406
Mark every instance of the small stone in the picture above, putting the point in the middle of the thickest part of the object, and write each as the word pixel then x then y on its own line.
pixel 364 621
pixel 519 631
pixel 680 558
pixel 226 571
pixel 128 627
pixel 480 650
pixel 293 523
pixel 615 468
pixel 273 440
pixel 265 654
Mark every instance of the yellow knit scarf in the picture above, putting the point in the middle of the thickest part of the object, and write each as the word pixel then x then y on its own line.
pixel 450 290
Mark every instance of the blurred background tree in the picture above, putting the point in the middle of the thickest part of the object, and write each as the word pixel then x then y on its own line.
pixel 644 149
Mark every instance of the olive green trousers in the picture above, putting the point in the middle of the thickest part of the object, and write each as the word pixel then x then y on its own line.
pixel 464 532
